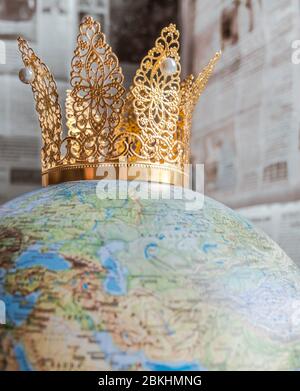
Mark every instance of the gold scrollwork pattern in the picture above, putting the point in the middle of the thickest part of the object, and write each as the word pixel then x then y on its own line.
pixel 156 98
pixel 127 139
pixel 71 122
pixel 97 92
pixel 190 91
pixel 47 105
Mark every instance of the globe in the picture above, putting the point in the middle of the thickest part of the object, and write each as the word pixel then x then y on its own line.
pixel 92 281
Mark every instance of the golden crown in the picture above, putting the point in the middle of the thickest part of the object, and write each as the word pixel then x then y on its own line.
pixel 144 134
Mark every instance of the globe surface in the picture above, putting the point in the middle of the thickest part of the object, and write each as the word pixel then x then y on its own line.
pixel 110 284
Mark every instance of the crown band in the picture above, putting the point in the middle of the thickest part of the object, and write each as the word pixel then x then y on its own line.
pixel 117 171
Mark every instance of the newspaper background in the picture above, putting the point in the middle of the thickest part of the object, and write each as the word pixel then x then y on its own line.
pixel 249 142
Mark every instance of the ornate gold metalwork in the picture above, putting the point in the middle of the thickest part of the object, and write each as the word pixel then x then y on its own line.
pixel 97 94
pixel 191 90
pixel 147 130
pixel 47 106
pixel 71 121
pixel 156 98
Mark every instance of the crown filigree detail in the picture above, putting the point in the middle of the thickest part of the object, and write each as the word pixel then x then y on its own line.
pixel 147 128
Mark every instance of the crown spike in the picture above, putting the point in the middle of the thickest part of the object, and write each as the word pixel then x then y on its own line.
pixel 97 93
pixel 191 90
pixel 204 76
pixel 156 90
pixel 47 105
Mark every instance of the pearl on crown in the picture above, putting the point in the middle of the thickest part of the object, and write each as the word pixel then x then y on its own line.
pixel 26 75
pixel 169 66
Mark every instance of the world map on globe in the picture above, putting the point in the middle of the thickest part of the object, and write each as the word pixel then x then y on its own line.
pixel 135 284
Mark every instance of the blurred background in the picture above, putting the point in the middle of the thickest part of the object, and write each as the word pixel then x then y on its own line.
pixel 246 126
